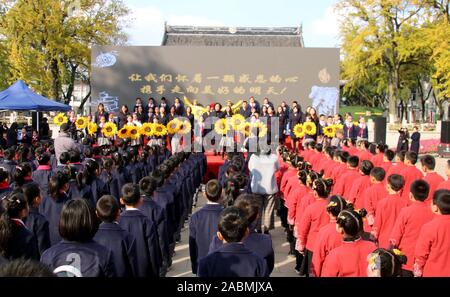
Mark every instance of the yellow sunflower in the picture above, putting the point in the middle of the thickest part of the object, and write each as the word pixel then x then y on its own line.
pixel 124 133
pixel 147 129
pixel 329 131
pixel 246 128
pixel 262 129
pixel 109 129
pixel 173 126
pixel 237 121
pixel 60 119
pixel 221 127
pixel 160 130
pixel 81 123
pixel 185 127
pixel 92 128
pixel 299 131
pixel 133 132
pixel 310 128
pixel 339 126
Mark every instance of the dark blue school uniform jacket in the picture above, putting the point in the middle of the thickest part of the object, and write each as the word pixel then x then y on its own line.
pixel 123 247
pixel 144 231
pixel 23 243
pixel 42 176
pixel 9 166
pixel 165 199
pixel 38 224
pixel 260 244
pixel 51 210
pixel 232 260
pixel 122 177
pixel 202 228
pixel 90 259
pixel 85 192
pixel 112 185
pixel 156 213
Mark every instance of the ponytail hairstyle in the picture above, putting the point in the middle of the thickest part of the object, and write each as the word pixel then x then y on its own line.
pixel 231 191
pixel 337 204
pixel 57 183
pixel 22 171
pixel 118 160
pixel 43 158
pixel 386 263
pixel 312 176
pixel 351 221
pixel 9 154
pixel 303 176
pixel 107 165
pixel 90 171
pixel 143 157
pixel 24 154
pixel 88 152
pixel 4 175
pixel 12 205
pixel 322 187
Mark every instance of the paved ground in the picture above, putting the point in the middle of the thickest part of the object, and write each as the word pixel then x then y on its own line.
pixel 284 264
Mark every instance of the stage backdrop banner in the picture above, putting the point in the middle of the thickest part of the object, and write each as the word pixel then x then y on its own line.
pixel 120 74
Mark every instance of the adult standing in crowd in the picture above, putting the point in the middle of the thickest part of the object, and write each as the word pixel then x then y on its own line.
pixel 262 166
pixel 64 143
pixel 100 113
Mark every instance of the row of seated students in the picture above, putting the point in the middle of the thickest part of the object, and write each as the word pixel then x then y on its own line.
pixel 111 214
pixel 339 205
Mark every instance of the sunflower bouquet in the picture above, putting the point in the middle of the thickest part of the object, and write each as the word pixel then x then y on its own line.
pixel 133 132
pixel 81 123
pixel 299 131
pixel 329 131
pixel 147 129
pixel 310 128
pixel 185 128
pixel 160 130
pixel 109 129
pixel 124 133
pixel 174 126
pixel 262 129
pixel 60 119
pixel 92 128
pixel 237 122
pixel 246 128
pixel 221 127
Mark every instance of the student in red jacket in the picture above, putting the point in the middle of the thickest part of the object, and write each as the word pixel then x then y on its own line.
pixel 410 173
pixel 328 238
pixel 360 184
pixel 388 209
pixel 373 194
pixel 315 159
pixel 408 223
pixel 363 153
pixel 385 263
pixel 431 177
pixel 341 166
pixel 446 184
pixel 398 166
pixel 349 259
pixel 314 218
pixel 378 159
pixel 387 160
pixel 344 182
pixel 431 256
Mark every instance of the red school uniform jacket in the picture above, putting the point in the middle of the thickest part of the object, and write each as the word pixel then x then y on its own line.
pixel 314 218
pixel 327 240
pixel 377 159
pixel 315 160
pixel 291 183
pixel 432 253
pixel 364 155
pixel 290 172
pixel 434 180
pixel 349 259
pixel 387 212
pixel 323 163
pixel 407 228
pixel 302 204
pixel 293 200
pixel 328 167
pixel 445 185
pixel 356 193
pixel 372 195
pixel 386 166
pixel 345 182
pixel 410 173
pixel 338 171
pixel 396 168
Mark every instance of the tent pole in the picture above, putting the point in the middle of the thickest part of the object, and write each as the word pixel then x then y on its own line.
pixel 37 121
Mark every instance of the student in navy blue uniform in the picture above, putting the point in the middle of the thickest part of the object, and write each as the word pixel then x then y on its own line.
pixel 53 160
pixel 75 161
pixel 16 240
pixel 120 173
pixel 52 204
pixel 77 253
pixel 203 224
pixel 89 176
pixel 112 186
pixel 260 244
pixel 233 259
pixel 4 182
pixel 64 160
pixel 131 167
pixel 77 187
pixel 43 173
pixel 156 213
pixel 9 164
pixel 35 221
pixel 112 236
pixel 22 175
pixel 144 231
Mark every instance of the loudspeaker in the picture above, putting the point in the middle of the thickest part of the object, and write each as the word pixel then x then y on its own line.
pixel 380 130
pixel 445 132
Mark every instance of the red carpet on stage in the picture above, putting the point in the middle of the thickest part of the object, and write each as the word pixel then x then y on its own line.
pixel 213 164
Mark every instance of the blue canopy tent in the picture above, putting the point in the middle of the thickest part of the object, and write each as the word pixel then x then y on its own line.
pixel 19 97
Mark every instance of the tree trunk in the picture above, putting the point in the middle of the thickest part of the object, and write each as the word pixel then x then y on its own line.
pixel 68 95
pixel 393 95
pixel 86 97
pixel 56 83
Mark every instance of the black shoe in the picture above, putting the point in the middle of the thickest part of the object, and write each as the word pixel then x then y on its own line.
pixel 266 232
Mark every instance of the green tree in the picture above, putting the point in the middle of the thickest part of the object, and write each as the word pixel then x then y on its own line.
pixel 376 37
pixel 48 41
